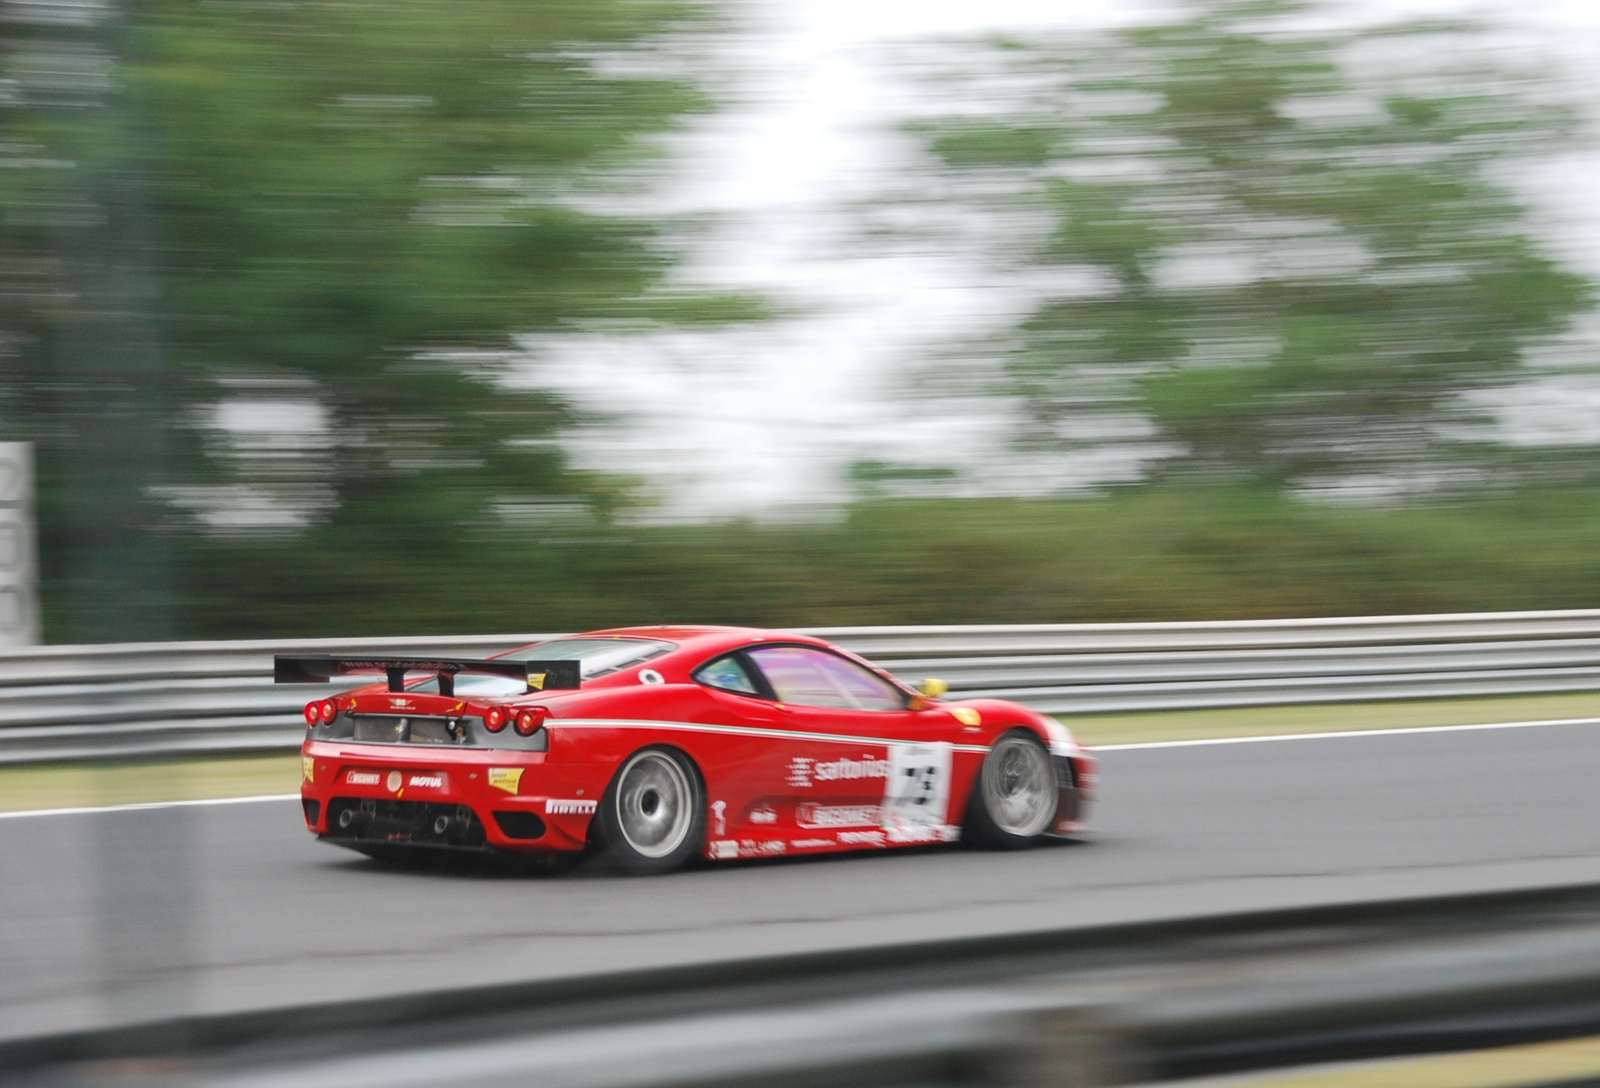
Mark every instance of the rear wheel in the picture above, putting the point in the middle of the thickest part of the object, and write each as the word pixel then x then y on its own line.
pixel 1014 799
pixel 653 814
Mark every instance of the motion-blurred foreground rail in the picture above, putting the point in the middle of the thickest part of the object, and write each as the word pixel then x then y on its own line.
pixel 142 699
pixel 1111 1005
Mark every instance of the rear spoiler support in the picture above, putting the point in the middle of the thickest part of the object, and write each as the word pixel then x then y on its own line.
pixel 321 668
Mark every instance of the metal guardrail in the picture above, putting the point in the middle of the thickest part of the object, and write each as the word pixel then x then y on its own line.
pixel 1109 1005
pixel 146 699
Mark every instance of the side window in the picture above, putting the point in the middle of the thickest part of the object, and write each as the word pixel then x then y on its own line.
pixel 808 677
pixel 728 674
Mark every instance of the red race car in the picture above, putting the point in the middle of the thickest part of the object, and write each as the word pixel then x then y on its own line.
pixel 660 743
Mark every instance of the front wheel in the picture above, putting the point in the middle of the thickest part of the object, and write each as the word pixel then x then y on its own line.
pixel 653 814
pixel 1014 800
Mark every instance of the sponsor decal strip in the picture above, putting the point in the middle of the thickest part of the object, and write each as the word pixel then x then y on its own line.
pixel 738 730
pixel 572 807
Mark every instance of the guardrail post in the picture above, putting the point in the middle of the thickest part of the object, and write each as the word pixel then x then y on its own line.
pixel 19 568
pixel 1071 1045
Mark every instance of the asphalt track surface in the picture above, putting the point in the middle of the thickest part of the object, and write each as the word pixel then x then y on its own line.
pixel 112 916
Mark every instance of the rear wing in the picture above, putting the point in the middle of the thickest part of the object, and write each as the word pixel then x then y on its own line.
pixel 320 668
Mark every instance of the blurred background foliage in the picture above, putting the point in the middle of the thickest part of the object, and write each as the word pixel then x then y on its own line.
pixel 1303 262
pixel 262 265
pixel 262 261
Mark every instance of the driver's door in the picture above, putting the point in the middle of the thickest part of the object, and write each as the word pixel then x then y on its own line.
pixel 876 763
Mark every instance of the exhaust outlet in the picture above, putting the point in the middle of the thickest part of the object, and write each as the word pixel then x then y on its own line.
pixel 441 825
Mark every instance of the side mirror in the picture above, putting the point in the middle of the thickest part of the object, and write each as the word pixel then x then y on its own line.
pixel 928 689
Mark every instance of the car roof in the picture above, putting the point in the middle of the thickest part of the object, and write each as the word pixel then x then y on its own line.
pixel 702 638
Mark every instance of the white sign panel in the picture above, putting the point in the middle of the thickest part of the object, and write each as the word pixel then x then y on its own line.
pixel 19 565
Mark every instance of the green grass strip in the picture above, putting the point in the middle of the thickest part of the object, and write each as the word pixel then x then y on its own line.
pixel 89 785
pixel 1268 721
pixel 1572 1061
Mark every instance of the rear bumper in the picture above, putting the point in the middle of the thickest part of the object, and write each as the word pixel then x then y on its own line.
pixel 366 795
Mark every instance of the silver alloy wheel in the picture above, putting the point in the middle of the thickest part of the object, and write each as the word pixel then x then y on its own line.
pixel 654 804
pixel 1019 786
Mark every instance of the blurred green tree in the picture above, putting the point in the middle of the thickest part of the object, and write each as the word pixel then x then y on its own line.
pixel 261 264
pixel 1296 257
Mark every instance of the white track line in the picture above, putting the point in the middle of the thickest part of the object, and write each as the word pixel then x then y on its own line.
pixel 1095 748
pixel 1338 734
pixel 149 805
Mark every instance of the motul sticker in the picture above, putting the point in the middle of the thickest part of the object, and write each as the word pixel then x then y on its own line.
pixel 427 781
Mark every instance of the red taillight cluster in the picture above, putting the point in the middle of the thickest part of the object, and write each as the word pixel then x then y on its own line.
pixel 528 720
pixel 321 713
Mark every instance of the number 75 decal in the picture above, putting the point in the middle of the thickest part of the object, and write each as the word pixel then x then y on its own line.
pixel 917 794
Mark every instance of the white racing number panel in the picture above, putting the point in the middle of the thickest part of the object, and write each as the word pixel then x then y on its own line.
pixel 916 798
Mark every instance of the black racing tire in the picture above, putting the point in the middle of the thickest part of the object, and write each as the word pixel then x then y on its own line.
pixel 1014 796
pixel 653 815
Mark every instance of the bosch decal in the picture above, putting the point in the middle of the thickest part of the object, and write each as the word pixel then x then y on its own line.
pixel 811 816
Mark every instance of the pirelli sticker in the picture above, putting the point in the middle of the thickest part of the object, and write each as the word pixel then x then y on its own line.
pixel 506 778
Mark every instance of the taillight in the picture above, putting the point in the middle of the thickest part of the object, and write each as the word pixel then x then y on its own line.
pixel 312 715
pixel 327 710
pixel 495 720
pixel 529 721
